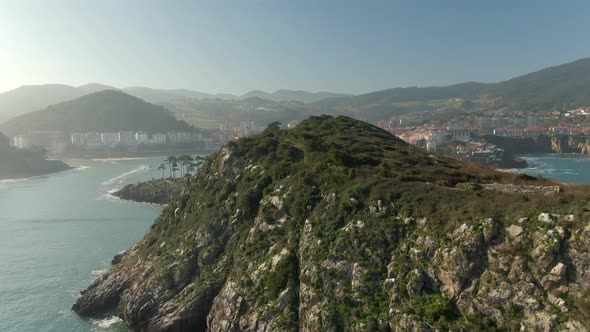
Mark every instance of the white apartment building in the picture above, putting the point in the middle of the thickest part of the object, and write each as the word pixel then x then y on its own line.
pixel 93 139
pixel 109 139
pixel 142 138
pixel 78 139
pixel 158 139
pixel 127 138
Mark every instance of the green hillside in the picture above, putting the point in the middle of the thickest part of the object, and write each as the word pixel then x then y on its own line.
pixel 107 110
pixel 337 225
pixel 560 86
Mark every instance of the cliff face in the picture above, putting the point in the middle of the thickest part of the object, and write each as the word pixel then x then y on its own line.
pixel 570 144
pixel 337 225
pixel 543 144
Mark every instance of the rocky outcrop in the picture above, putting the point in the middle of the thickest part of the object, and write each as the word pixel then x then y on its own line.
pixel 269 237
pixel 570 144
pixel 161 191
pixel 542 144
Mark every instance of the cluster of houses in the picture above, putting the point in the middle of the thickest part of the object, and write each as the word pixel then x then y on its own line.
pixel 240 129
pixel 58 142
pixel 130 138
pixel 483 153
pixel 431 136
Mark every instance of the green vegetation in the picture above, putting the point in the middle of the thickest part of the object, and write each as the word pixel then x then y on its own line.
pixel 555 87
pixel 338 225
pixel 204 123
pixel 108 110
pixel 186 164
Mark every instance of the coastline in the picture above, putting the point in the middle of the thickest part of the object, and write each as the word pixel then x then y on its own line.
pixel 112 196
pixel 158 191
pixel 34 176
pixel 78 160
pixel 110 156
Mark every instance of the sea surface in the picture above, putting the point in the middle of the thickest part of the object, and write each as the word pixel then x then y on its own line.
pixel 562 167
pixel 58 233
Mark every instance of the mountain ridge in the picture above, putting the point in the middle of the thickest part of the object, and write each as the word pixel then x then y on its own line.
pixel 542 90
pixel 31 98
pixel 107 110
pixel 559 86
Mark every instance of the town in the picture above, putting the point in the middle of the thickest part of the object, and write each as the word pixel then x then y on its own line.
pixel 59 143
pixel 464 137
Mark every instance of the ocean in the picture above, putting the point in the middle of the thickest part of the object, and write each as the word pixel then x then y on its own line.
pixel 59 232
pixel 562 167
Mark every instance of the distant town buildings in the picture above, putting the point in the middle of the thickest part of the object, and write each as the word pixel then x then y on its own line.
pixel 57 142
pixel 461 136
pixel 53 141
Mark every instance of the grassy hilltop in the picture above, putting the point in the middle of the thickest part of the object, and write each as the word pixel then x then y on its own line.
pixel 337 225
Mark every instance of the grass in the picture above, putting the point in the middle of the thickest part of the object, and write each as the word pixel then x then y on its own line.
pixel 204 123
pixel 361 164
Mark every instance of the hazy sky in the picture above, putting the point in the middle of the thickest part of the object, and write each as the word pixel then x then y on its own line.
pixel 236 46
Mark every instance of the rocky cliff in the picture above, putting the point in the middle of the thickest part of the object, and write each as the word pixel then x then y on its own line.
pixel 160 191
pixel 542 144
pixel 337 225
pixel 570 144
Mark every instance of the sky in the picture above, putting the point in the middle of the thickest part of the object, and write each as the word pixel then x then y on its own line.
pixel 223 46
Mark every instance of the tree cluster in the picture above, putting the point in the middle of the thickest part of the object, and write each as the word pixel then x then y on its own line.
pixel 186 164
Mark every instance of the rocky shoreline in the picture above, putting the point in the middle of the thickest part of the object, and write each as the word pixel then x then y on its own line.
pixel 160 191
pixel 28 171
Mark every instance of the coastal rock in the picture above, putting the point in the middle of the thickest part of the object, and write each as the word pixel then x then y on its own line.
pixel 161 191
pixel 279 250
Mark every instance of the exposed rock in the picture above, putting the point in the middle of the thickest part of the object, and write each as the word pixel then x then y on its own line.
pixel 260 241
pixel 547 217
pixel 515 231
pixel 161 191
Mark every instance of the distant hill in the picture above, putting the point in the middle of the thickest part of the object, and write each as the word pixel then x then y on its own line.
pixel 554 86
pixel 154 96
pixel 559 86
pixel 108 110
pixel 35 97
pixel 95 87
pixel 292 95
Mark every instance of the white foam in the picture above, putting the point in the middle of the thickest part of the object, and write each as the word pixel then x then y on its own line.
pixel 9 181
pixel 81 168
pixel 119 179
pixel 105 323
pixel 98 273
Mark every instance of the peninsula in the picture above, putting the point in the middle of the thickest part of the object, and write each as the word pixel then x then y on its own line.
pixel 338 225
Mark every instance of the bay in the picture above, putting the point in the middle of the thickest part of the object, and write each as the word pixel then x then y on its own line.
pixel 58 233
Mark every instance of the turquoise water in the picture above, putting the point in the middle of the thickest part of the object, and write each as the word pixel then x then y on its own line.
pixel 58 233
pixel 561 167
